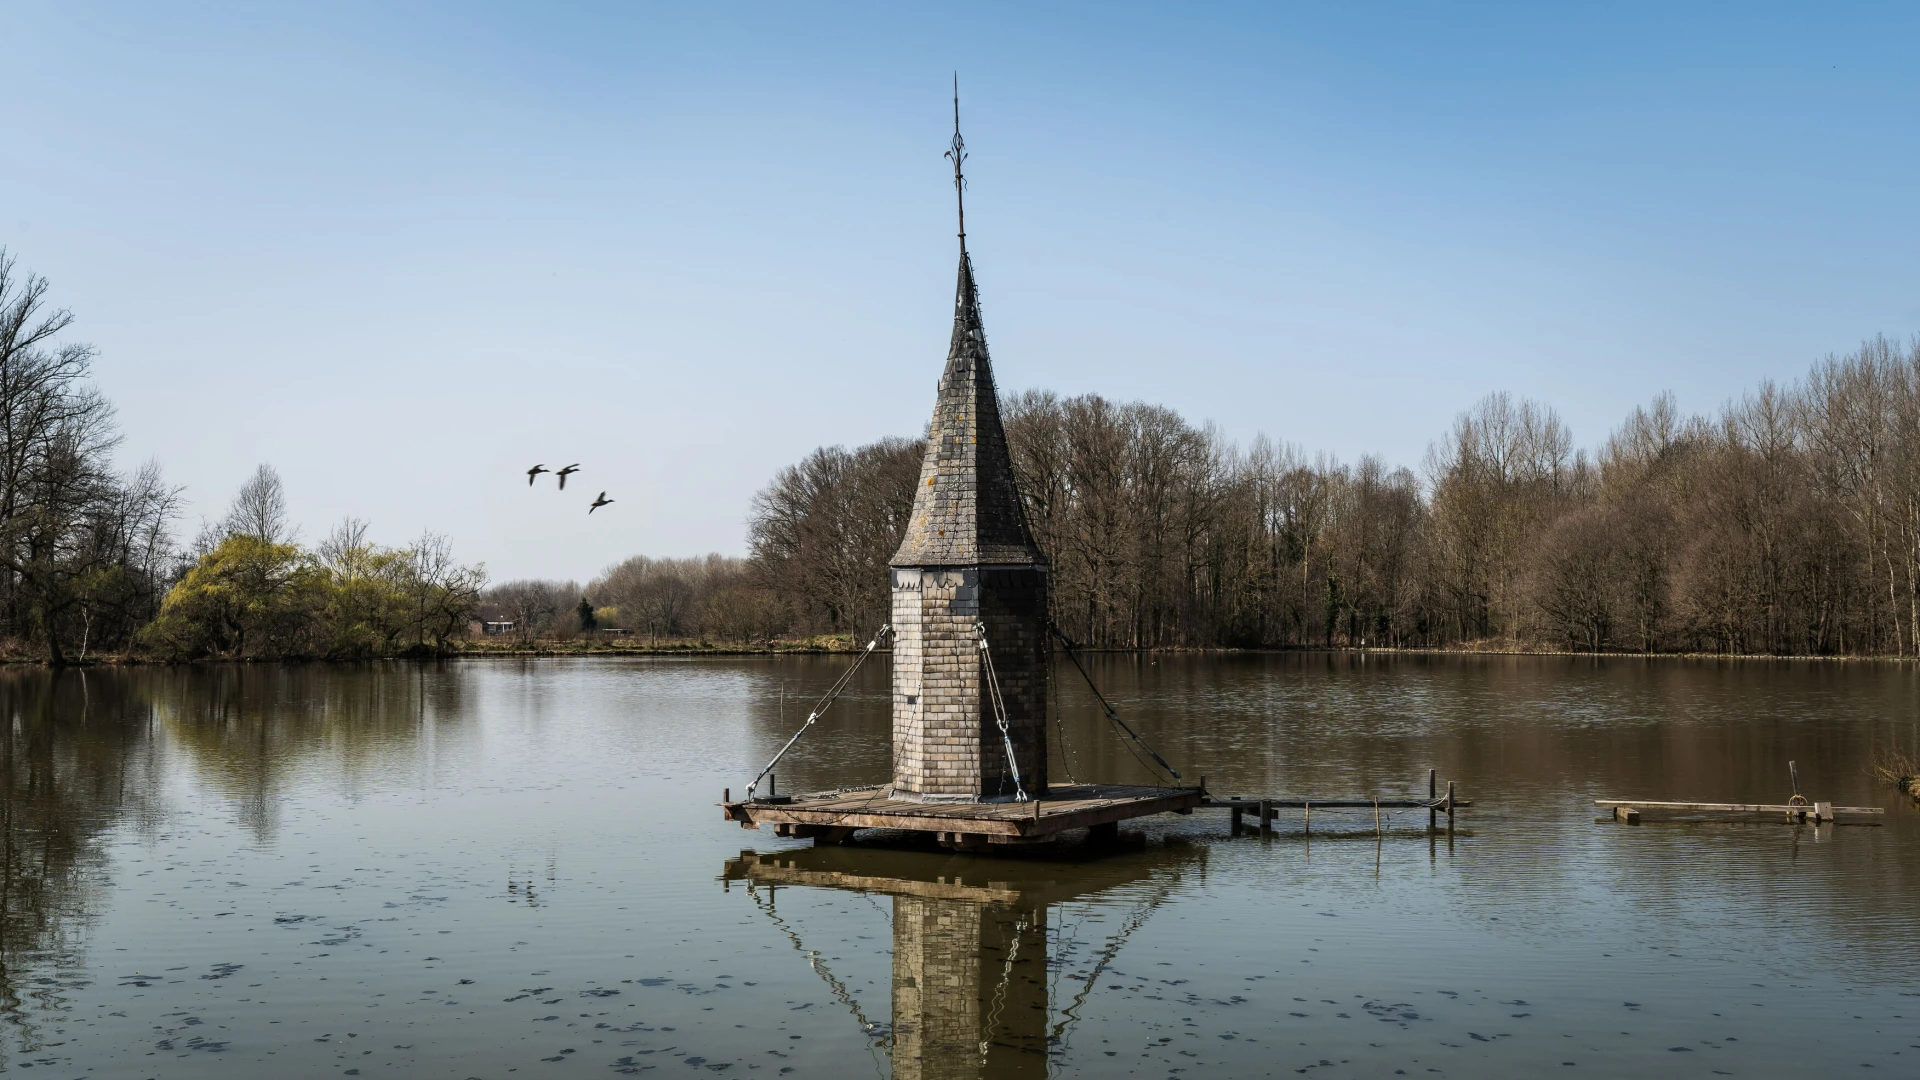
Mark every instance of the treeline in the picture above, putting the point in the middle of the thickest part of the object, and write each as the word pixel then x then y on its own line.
pixel 1788 523
pixel 89 562
pixel 713 598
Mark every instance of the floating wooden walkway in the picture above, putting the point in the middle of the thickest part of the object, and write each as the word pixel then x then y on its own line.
pixel 1629 810
pixel 834 816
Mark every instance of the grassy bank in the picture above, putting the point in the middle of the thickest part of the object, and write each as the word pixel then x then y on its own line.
pixel 501 646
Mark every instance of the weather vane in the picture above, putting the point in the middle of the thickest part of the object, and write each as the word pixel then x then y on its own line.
pixel 958 153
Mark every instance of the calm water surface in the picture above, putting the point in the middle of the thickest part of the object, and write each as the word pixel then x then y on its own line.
pixel 495 868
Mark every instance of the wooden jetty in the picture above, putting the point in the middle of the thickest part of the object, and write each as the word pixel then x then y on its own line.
pixel 1629 810
pixel 1434 804
pixel 833 817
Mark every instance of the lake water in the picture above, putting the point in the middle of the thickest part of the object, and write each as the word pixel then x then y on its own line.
pixel 491 868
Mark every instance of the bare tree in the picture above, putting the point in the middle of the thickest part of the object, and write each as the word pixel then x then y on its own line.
pixel 78 541
pixel 260 508
pixel 821 533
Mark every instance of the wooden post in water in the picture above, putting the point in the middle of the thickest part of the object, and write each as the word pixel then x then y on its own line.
pixel 1376 819
pixel 773 784
pixel 1433 792
pixel 1266 817
pixel 1233 820
pixel 1449 807
pixel 1309 819
pixel 726 794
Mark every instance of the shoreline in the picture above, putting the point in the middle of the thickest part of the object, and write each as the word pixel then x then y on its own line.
pixel 836 646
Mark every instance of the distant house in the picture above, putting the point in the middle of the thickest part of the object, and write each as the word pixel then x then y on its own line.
pixel 490 619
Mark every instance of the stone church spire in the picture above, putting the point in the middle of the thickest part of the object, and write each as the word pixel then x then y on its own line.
pixel 966 510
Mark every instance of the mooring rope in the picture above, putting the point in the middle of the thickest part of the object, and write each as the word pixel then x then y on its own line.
pixel 1108 706
pixel 999 709
pixel 1000 992
pixel 878 1036
pixel 1060 730
pixel 825 703
pixel 1070 1015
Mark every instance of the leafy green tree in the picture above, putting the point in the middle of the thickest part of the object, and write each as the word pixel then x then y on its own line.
pixel 245 598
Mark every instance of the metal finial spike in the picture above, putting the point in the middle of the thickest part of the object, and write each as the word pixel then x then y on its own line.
pixel 957 153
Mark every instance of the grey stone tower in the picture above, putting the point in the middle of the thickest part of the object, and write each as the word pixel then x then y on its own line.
pixel 968 562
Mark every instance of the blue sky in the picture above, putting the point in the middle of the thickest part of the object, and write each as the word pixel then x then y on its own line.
pixel 404 251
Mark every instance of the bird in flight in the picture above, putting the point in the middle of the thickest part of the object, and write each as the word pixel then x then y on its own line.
pixel 599 502
pixel 534 473
pixel 562 474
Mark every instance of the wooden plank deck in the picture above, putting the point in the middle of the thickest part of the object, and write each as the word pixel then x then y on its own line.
pixel 1065 806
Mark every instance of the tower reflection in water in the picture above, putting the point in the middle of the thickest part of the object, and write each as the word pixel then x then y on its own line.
pixel 974 955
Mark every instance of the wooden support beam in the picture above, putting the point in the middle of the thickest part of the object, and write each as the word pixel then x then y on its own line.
pixel 1433 792
pixel 1266 817
pixel 1821 811
pixel 1337 804
pixel 1627 814
pixel 800 830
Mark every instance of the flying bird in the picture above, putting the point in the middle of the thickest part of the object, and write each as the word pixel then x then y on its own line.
pixel 535 472
pixel 562 474
pixel 599 502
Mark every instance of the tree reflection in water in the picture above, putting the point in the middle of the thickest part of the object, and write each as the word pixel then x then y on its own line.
pixel 252 731
pixel 70 742
pixel 978 964
pixel 81 757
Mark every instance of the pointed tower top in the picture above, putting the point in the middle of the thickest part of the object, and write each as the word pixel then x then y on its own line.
pixel 966 509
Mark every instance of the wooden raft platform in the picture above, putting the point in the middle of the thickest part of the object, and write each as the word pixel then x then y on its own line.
pixel 831 817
